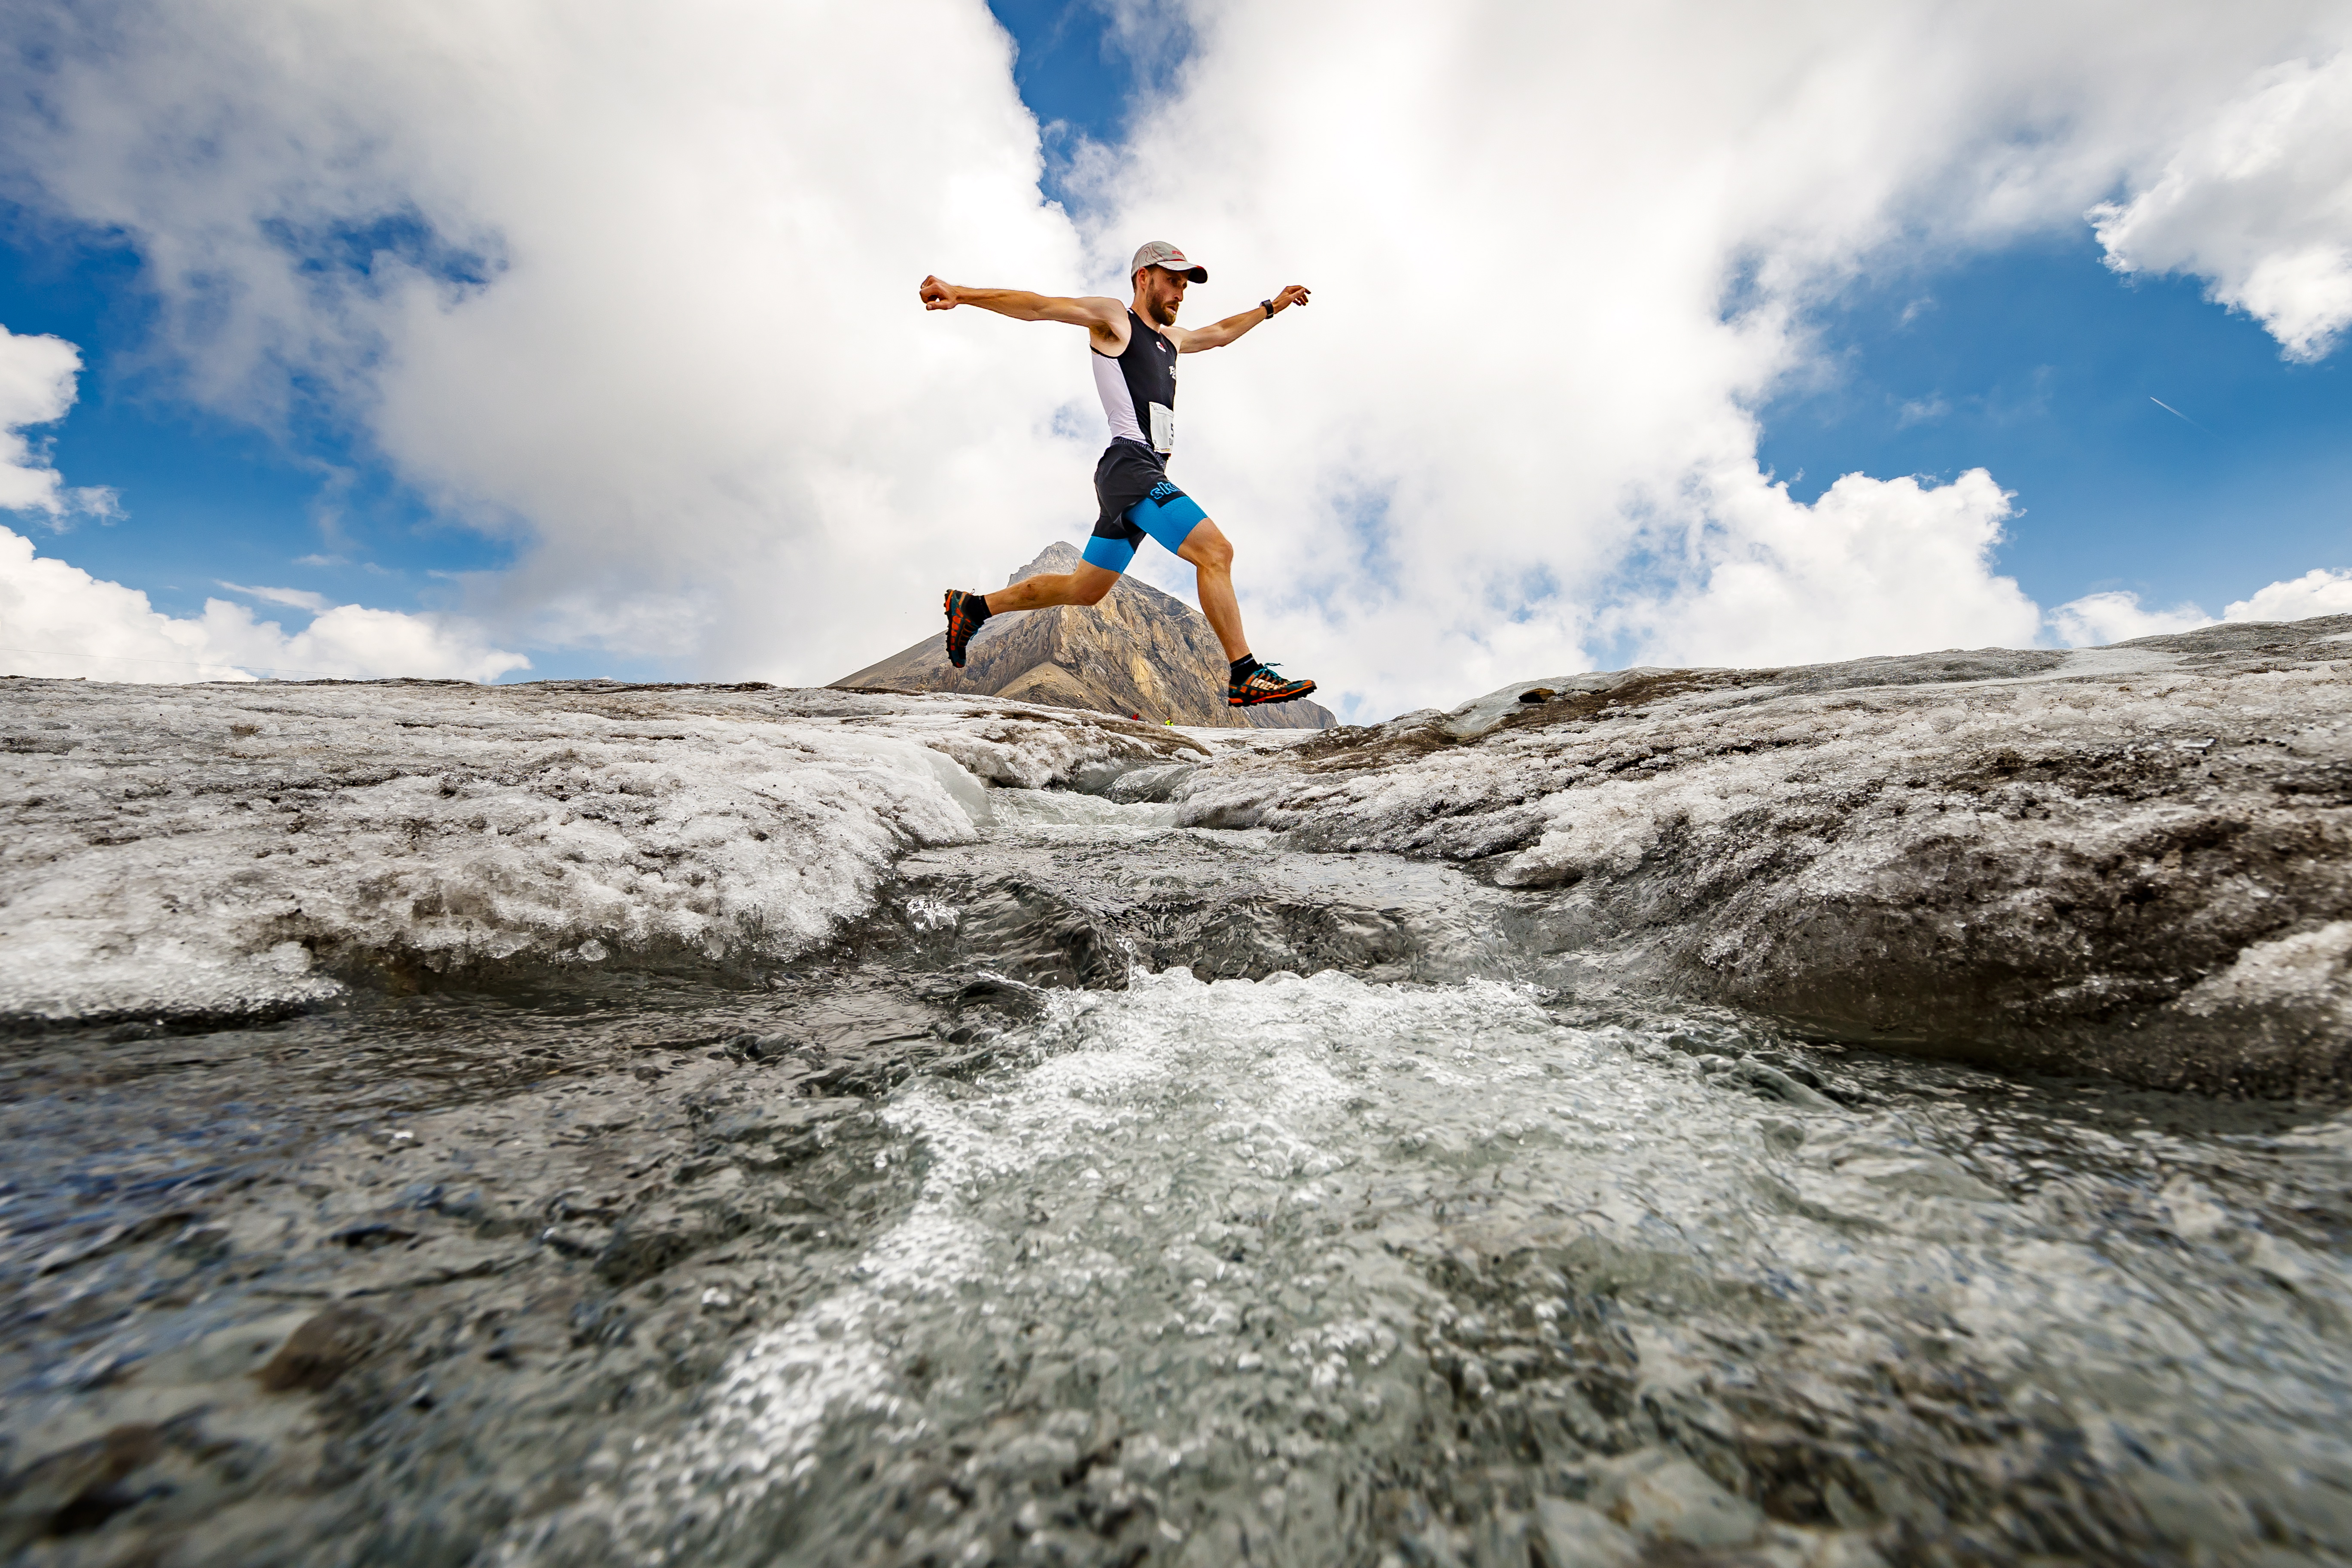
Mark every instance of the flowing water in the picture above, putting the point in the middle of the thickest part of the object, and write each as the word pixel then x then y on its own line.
pixel 1003 1235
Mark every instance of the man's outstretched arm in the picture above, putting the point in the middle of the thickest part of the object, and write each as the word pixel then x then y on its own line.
pixel 1217 334
pixel 1100 316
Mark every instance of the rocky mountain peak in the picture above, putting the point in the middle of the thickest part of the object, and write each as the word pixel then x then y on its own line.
pixel 1059 556
pixel 1140 651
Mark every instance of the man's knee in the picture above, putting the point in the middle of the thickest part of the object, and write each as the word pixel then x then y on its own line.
pixel 1212 550
pixel 1090 587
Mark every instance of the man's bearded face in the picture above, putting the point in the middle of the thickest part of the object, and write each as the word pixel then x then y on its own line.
pixel 1164 295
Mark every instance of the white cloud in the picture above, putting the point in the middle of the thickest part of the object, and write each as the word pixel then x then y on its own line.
pixel 1560 252
pixel 634 285
pixel 2117 616
pixel 1906 565
pixel 297 598
pixel 37 387
pixel 2319 591
pixel 2258 201
pixel 61 622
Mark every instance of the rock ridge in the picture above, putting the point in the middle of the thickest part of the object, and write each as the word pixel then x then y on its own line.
pixel 2133 861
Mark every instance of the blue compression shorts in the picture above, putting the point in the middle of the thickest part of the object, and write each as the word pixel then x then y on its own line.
pixel 1165 514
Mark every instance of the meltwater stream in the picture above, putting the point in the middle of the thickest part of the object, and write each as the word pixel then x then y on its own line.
pixel 1320 1269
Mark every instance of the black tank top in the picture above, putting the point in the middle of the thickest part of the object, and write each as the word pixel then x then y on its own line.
pixel 1139 387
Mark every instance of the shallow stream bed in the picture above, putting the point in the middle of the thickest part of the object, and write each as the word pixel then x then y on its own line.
pixel 1128 1194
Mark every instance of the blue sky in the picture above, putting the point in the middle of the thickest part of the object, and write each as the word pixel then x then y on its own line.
pixel 207 498
pixel 2040 364
pixel 2035 360
pixel 1074 72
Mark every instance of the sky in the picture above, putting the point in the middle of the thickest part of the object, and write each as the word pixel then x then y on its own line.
pixel 535 339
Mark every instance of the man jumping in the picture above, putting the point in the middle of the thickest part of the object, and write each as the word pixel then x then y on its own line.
pixel 1135 350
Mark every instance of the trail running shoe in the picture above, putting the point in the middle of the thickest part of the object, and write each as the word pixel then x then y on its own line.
pixel 1262 685
pixel 965 613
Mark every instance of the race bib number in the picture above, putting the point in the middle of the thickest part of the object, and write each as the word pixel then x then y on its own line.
pixel 1164 428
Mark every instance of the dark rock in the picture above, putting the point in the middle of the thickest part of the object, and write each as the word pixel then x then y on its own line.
pixel 371 1234
pixel 575 1241
pixel 658 1238
pixel 322 1350
pixel 753 1047
pixel 71 1493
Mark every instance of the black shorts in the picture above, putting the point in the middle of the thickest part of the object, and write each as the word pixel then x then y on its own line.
pixel 1137 501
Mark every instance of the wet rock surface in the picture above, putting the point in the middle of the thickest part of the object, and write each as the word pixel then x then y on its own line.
pixel 2135 860
pixel 260 1289
pixel 1224 905
pixel 970 1238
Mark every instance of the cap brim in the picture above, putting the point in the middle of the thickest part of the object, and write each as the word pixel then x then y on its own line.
pixel 1179 263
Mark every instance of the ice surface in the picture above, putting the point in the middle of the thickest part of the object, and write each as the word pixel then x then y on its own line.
pixel 1601 792
pixel 2034 853
pixel 216 850
pixel 1862 843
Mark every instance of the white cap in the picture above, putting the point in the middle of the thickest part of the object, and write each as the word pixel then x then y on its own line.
pixel 1159 253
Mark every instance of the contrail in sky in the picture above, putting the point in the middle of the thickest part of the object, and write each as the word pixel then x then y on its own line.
pixel 2175 412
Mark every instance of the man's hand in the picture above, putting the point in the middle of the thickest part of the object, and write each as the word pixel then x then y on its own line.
pixel 1217 334
pixel 1104 318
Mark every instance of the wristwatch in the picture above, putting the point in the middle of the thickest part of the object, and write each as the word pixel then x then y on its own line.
pixel 1269 309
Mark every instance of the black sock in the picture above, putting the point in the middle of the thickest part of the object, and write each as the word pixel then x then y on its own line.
pixel 978 605
pixel 1244 667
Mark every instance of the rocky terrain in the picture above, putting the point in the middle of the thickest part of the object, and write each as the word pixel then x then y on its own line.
pixel 584 1124
pixel 1138 652
pixel 2135 860
pixel 192 852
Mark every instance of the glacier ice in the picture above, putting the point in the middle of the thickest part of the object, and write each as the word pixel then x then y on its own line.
pixel 2122 859
pixel 192 850
pixel 2033 856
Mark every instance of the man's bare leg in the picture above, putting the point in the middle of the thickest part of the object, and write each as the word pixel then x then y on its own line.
pixel 1213 564
pixel 1212 556
pixel 1086 585
pixel 1205 548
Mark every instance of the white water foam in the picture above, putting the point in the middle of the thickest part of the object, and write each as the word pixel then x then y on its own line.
pixel 1215 1209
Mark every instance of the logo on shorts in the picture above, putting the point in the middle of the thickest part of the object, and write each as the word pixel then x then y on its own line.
pixel 1162 491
